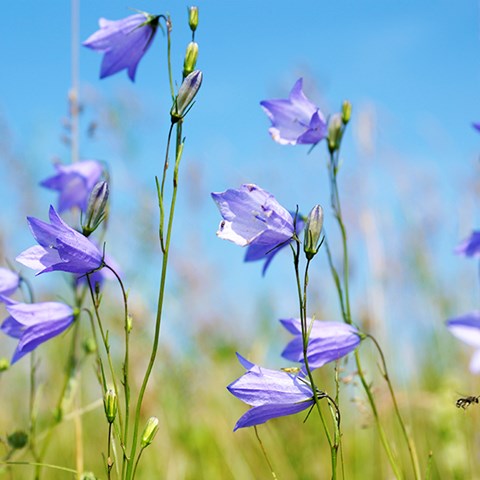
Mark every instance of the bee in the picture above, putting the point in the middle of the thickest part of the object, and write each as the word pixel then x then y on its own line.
pixel 465 402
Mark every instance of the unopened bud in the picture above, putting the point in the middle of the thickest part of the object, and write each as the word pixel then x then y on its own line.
pixel 346 111
pixel 129 324
pixel 185 96
pixel 17 440
pixel 88 476
pixel 97 208
pixel 4 364
pixel 313 230
pixel 110 405
pixel 190 58
pixel 334 132
pixel 193 18
pixel 151 429
pixel 89 346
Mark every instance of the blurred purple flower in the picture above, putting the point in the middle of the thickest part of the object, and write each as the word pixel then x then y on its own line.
pixel 9 281
pixel 60 248
pixel 328 341
pixel 295 120
pixel 35 323
pixel 252 216
pixel 123 42
pixel 476 126
pixel 467 329
pixel 470 247
pixel 74 183
pixel 271 393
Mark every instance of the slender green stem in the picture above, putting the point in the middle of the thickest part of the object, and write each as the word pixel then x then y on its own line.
pixel 168 23
pixel 161 191
pixel 302 298
pixel 411 447
pixel 137 461
pixel 107 350
pixel 127 328
pixel 161 296
pixel 109 449
pixel 345 302
pixel 262 448
pixel 37 464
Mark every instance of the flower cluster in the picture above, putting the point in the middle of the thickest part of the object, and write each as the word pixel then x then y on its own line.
pixel 253 218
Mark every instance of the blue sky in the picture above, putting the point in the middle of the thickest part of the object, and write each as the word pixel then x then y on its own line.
pixel 411 70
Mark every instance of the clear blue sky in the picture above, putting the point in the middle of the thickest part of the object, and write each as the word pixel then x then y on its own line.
pixel 412 67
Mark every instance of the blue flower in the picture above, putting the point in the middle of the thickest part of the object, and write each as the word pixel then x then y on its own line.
pixel 470 247
pixel 74 183
pixel 271 393
pixel 252 217
pixel 328 341
pixel 467 329
pixel 35 323
pixel 295 120
pixel 60 248
pixel 123 42
pixel 9 281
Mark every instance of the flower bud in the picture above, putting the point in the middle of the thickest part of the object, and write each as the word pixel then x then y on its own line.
pixel 151 429
pixel 17 439
pixel 110 405
pixel 89 346
pixel 97 208
pixel 129 325
pixel 193 18
pixel 313 230
pixel 185 96
pixel 346 111
pixel 334 132
pixel 88 476
pixel 4 364
pixel 190 58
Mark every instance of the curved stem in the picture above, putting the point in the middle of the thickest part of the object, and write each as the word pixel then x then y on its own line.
pixel 262 448
pixel 127 327
pixel 411 447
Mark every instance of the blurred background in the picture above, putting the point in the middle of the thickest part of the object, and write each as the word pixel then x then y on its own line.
pixel 409 186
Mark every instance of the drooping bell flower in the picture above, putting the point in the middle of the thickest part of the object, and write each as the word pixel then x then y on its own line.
pixel 252 217
pixel 328 341
pixel 271 393
pixel 295 120
pixel 74 183
pixel 467 329
pixel 9 281
pixel 60 248
pixel 123 42
pixel 470 247
pixel 35 323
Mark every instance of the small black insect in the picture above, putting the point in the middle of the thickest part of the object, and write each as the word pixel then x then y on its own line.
pixel 465 402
